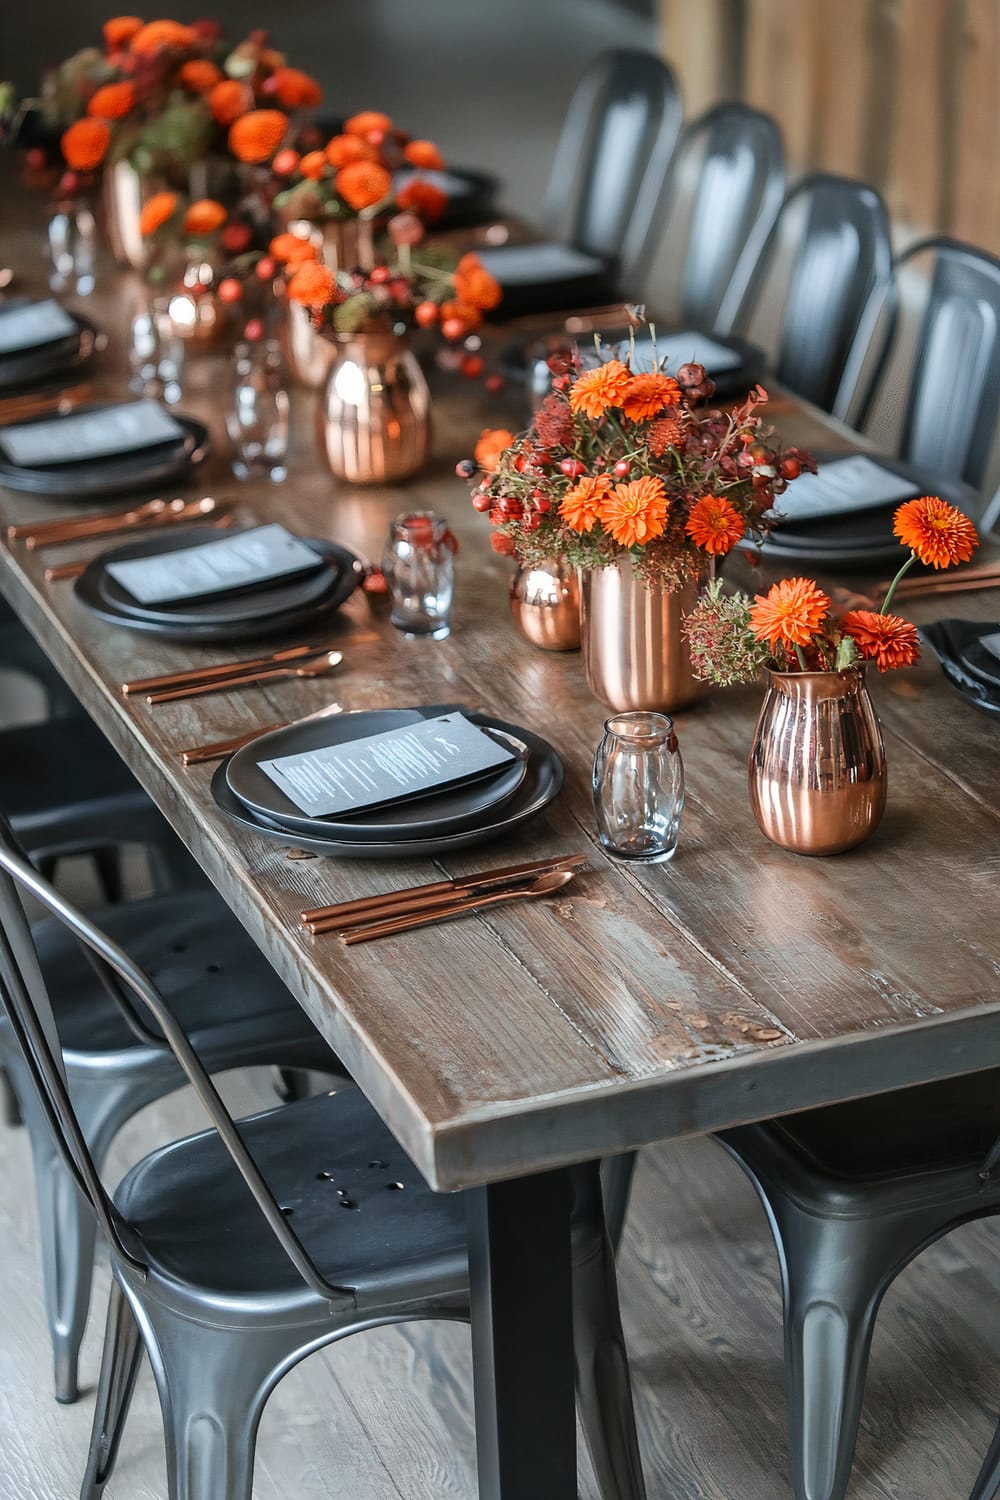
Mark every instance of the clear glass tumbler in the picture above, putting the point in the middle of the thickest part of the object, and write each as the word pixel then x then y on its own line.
pixel 639 787
pixel 257 420
pixel 71 241
pixel 155 351
pixel 419 567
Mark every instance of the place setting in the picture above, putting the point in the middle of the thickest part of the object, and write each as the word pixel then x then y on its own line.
pixel 969 654
pixel 40 340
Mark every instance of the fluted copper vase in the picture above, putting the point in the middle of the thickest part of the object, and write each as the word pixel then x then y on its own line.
pixel 308 355
pixel 634 654
pixel 817 764
pixel 545 604
pixel 124 193
pixel 373 417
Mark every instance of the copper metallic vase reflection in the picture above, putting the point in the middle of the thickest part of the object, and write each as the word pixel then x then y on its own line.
pixel 545 604
pixel 373 417
pixel 817 764
pixel 123 193
pixel 308 355
pixel 634 655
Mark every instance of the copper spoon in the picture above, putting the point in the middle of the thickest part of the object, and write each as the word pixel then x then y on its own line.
pixel 314 667
pixel 545 885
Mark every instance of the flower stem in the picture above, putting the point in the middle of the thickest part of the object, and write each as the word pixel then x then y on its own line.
pixel 892 587
pixel 801 657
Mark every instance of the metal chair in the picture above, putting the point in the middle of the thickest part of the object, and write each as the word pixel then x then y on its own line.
pixel 840 269
pixel 952 402
pixel 19 654
pixel 237 1252
pixel 236 1010
pixel 604 201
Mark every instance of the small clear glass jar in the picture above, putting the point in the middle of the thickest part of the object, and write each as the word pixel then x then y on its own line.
pixel 639 788
pixel 155 352
pixel 71 243
pixel 257 420
pixel 419 568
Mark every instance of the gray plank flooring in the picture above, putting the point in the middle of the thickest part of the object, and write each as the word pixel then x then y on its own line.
pixel 387 1416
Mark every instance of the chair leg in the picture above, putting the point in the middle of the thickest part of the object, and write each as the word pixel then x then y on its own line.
pixel 10 1109
pixel 119 1367
pixel 603 1387
pixel 290 1084
pixel 108 869
pixel 617 1173
pixel 68 1233
pixel 988 1481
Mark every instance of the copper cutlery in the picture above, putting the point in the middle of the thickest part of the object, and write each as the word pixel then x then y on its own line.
pixel 310 666
pixel 56 404
pixel 219 669
pixel 414 899
pixel 542 885
pixel 151 513
pixel 57 571
pixel 197 755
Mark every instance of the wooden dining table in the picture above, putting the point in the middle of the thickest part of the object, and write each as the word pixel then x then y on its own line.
pixel 648 1002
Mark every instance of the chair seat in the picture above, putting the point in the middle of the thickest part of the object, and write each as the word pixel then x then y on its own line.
pixel 351 1194
pixel 20 654
pixel 547 277
pixel 51 774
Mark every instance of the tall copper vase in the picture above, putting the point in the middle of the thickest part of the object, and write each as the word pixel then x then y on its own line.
pixel 634 655
pixel 124 193
pixel 373 417
pixel 817 764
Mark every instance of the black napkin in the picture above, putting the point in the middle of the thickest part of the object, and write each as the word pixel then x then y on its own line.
pixel 954 643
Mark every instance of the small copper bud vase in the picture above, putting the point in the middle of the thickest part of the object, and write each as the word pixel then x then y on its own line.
pixel 635 656
pixel 124 193
pixel 817 764
pixel 545 604
pixel 373 417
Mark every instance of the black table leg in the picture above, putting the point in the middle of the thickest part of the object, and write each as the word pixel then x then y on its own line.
pixel 520 1265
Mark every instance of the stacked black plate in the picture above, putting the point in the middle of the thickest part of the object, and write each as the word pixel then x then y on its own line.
pixel 423 827
pixel 41 341
pixel 471 195
pixel 115 473
pixel 969 653
pixel 734 365
pixel 234 616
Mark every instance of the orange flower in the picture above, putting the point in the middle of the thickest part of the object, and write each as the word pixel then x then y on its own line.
pixel 466 314
pixel 715 524
pixel 119 31
pixel 367 121
pixel 292 250
pixel 199 75
pixel 938 533
pixel 492 442
pixel 580 507
pixel 313 285
pixel 425 199
pixel 294 89
pixel 424 154
pixel 228 100
pixel 886 640
pixel 112 102
pixel 255 137
pixel 85 143
pixel 647 395
pixel 157 34
pixel 313 165
pixel 635 512
pixel 666 432
pixel 204 217
pixel 475 285
pixel 595 390
pixel 790 613
pixel 362 184
pixel 341 149
pixel 156 211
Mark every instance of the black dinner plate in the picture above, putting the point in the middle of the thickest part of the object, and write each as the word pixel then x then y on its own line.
pixel 269 611
pixel 527 360
pixel 421 817
pixel 471 194
pixel 29 367
pixel 128 473
pixel 542 783
pixel 951 640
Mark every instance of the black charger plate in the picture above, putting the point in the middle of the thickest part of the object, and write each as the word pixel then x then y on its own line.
pixel 471 202
pixel 127 474
pixel 525 360
pixel 29 367
pixel 951 640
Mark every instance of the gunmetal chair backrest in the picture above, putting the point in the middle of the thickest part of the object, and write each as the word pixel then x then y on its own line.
pixel 739 157
pixel 27 1005
pixel 605 192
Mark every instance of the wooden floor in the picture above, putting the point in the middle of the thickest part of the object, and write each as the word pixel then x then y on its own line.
pixel 388 1414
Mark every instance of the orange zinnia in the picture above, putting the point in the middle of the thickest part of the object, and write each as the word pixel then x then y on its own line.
pixel 256 137
pixel 112 102
pixel 292 249
pixel 886 640
pixel 424 154
pixel 938 533
pixel 229 99
pixel 156 211
pixel 425 199
pixel 294 89
pixel 648 395
pixel 367 121
pixel 790 613
pixel 312 285
pixel 199 75
pixel 492 442
pixel 120 30
pixel 156 34
pixel 596 390
pixel 362 184
pixel 580 507
pixel 635 512
pixel 84 144
pixel 340 149
pixel 313 165
pixel 204 216
pixel 474 284
pixel 715 525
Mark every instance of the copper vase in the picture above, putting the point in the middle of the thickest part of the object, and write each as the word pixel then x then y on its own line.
pixel 373 416
pixel 124 193
pixel 817 764
pixel 634 655
pixel 545 604
pixel 308 355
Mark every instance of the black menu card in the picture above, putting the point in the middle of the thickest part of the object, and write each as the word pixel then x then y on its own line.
pixel 30 325
pixel 249 559
pixel 82 435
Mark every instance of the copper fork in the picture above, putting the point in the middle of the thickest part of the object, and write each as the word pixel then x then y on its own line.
pixel 317 666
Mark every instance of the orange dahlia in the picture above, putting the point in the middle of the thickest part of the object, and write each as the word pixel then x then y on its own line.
pixel 474 284
pixel 229 99
pixel 313 165
pixel 715 525
pixel 492 442
pixel 199 75
pixel 84 144
pixel 648 395
pixel 580 507
pixel 157 34
pixel 425 199
pixel 938 533
pixel 635 512
pixel 292 250
pixel 595 390
pixel 341 149
pixel 886 640
pixel 368 121
pixel 204 216
pixel 156 211
pixel 790 613
pixel 312 285
pixel 112 102
pixel 424 154
pixel 119 31
pixel 362 184
pixel 255 137
pixel 294 89
pixel 666 432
